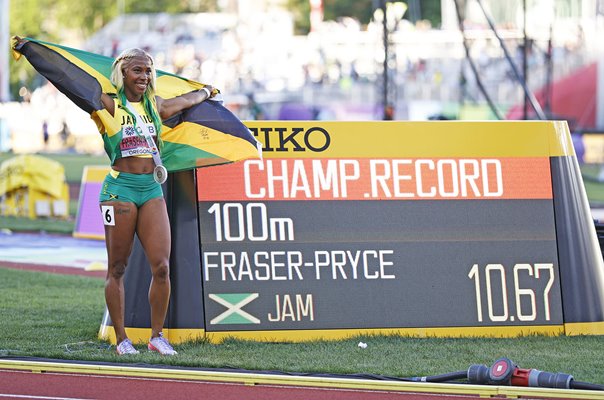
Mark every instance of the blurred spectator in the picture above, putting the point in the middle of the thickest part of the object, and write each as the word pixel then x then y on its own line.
pixel 45 133
pixel 65 134
pixel 389 113
pixel 256 111
pixel 115 47
pixel 438 117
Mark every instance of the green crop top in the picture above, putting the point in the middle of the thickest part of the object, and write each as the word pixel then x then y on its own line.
pixel 120 137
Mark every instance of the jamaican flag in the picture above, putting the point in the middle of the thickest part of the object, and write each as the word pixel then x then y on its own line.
pixel 203 135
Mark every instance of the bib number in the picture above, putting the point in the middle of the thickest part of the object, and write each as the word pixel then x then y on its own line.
pixel 108 215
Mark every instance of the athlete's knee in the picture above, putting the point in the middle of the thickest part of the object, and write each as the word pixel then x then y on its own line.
pixel 161 271
pixel 117 270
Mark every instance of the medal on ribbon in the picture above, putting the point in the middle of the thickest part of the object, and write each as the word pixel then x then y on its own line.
pixel 160 174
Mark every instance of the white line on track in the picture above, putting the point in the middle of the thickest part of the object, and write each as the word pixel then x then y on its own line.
pixel 26 396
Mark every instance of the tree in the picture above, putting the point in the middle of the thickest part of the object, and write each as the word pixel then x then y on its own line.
pixel 62 20
pixel 430 10
pixel 361 10
pixel 26 20
pixel 300 10
pixel 172 7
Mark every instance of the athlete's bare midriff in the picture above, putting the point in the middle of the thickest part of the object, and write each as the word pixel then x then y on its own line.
pixel 134 165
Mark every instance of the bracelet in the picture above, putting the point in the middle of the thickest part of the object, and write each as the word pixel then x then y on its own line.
pixel 205 89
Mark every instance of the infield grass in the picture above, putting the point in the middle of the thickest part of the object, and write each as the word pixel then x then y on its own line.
pixel 58 316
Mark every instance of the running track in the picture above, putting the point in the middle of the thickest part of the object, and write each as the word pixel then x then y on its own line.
pixel 28 385
pixel 23 379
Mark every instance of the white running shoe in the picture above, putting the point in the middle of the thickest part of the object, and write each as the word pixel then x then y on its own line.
pixel 161 345
pixel 126 347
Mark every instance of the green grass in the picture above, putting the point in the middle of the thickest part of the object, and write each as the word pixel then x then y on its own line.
pixel 58 316
pixel 593 187
pixel 21 224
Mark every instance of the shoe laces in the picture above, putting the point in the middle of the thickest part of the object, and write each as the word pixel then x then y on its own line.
pixel 126 347
pixel 162 345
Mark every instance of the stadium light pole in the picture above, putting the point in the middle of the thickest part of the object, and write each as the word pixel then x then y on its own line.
pixel 524 60
pixel 389 14
pixel 386 55
pixel 379 16
pixel 4 50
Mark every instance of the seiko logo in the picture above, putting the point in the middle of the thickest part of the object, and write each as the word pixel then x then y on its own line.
pixel 314 139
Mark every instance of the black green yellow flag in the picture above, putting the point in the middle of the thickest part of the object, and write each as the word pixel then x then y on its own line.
pixel 205 134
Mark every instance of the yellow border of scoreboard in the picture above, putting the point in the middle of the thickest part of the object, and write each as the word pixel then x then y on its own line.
pixel 181 335
pixel 476 139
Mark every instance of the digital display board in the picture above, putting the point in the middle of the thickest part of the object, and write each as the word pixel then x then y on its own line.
pixel 382 226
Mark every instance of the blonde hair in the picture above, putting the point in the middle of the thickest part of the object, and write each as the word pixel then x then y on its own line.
pixel 121 63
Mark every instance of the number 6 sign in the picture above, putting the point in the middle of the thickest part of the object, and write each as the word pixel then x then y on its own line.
pixel 108 215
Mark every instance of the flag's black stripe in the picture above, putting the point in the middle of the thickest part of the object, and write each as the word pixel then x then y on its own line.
pixel 214 115
pixel 79 86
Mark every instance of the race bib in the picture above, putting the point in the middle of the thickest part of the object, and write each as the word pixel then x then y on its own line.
pixel 108 215
pixel 134 142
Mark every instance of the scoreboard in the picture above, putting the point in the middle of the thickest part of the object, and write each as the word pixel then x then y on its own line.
pixel 383 226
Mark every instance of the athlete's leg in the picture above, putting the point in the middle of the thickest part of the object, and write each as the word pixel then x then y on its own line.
pixel 153 230
pixel 119 238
